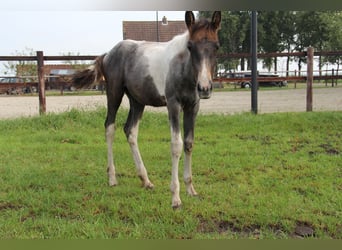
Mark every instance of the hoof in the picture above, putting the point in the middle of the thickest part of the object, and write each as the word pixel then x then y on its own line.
pixel 111 177
pixel 113 183
pixel 177 204
pixel 191 191
pixel 148 185
pixel 177 207
pixel 193 194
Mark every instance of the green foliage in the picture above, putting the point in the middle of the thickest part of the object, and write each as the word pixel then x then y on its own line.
pixel 280 31
pixel 77 64
pixel 22 68
pixel 28 69
pixel 258 177
pixel 335 36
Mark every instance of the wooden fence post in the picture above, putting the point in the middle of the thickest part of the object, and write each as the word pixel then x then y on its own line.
pixel 41 83
pixel 309 78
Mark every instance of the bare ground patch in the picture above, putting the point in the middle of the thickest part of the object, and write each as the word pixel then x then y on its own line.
pixel 269 101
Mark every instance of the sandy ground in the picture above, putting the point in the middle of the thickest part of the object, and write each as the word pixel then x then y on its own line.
pixel 269 101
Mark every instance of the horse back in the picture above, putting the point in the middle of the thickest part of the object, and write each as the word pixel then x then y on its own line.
pixel 140 68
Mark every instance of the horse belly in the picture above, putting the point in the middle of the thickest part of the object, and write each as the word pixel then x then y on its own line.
pixel 146 75
pixel 152 93
pixel 144 90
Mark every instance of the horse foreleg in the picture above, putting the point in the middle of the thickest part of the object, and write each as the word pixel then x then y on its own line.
pixel 189 125
pixel 110 129
pixel 188 172
pixel 176 151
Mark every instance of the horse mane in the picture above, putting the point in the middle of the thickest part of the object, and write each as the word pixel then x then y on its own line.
pixel 203 26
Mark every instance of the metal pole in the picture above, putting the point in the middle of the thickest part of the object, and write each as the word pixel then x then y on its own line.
pixel 254 67
pixel 157 26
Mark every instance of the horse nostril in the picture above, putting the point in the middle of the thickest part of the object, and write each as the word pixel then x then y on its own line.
pixel 204 89
pixel 199 88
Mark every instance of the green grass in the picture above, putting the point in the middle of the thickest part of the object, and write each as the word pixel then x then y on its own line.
pixel 257 176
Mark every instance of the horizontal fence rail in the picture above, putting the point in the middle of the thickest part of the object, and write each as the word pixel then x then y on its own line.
pixel 310 76
pixel 280 54
pixel 47 58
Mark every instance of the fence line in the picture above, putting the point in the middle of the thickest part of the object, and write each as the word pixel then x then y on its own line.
pixel 280 54
pixel 40 59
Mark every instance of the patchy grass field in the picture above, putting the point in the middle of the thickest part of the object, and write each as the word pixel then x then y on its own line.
pixel 264 176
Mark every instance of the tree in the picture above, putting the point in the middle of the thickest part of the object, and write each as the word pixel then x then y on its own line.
pixel 269 35
pixel 287 22
pixel 312 30
pixel 76 64
pixel 25 69
pixel 280 31
pixel 244 46
pixel 276 32
pixel 334 43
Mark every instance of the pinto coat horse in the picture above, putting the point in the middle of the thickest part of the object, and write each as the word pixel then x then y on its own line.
pixel 177 74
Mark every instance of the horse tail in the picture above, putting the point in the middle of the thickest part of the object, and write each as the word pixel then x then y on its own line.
pixel 90 76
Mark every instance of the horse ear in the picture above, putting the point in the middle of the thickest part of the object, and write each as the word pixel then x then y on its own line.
pixel 189 19
pixel 216 19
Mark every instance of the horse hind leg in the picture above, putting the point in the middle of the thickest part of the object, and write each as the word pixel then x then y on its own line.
pixel 114 99
pixel 110 130
pixel 131 130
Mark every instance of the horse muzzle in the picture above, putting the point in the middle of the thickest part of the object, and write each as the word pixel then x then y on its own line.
pixel 205 92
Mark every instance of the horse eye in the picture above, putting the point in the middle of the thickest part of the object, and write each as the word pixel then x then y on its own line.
pixel 217 46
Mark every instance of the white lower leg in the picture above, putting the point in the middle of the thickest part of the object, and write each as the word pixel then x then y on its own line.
pixel 141 170
pixel 176 151
pixel 111 168
pixel 188 175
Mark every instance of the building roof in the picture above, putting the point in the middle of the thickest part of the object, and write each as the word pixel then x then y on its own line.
pixel 147 30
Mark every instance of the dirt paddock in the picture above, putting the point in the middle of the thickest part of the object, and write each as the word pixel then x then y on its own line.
pixel 269 101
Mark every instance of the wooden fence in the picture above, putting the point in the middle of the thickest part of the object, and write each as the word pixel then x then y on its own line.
pixel 40 59
pixel 325 75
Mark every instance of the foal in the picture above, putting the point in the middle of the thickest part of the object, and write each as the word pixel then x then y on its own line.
pixel 176 74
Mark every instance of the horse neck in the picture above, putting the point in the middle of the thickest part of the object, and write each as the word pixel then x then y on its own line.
pixel 178 47
pixel 178 44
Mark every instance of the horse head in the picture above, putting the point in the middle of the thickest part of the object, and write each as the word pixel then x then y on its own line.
pixel 203 44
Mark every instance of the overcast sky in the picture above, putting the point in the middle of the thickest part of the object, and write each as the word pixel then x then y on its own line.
pixel 87 27
pixel 60 32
